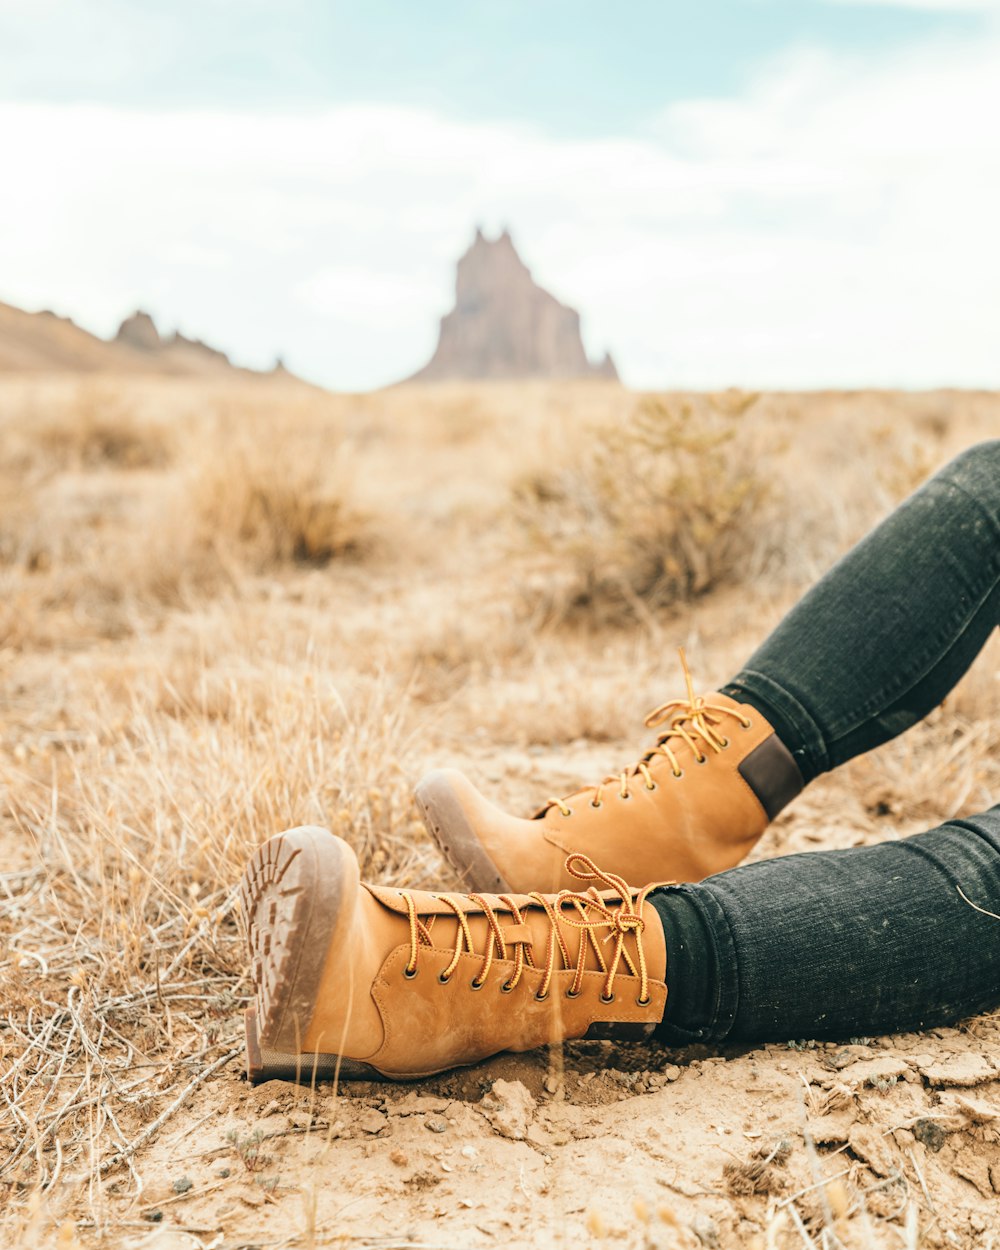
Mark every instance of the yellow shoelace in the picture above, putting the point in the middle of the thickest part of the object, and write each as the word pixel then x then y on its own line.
pixel 566 907
pixel 689 721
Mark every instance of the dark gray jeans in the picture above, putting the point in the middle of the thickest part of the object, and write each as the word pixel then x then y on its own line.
pixel 877 939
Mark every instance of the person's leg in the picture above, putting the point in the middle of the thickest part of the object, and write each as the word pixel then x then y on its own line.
pixel 355 979
pixel 837 944
pixel 865 654
pixel 888 632
pixel 878 643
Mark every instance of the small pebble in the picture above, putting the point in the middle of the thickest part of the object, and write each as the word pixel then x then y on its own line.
pixel 183 1184
pixel 930 1133
pixel 436 1125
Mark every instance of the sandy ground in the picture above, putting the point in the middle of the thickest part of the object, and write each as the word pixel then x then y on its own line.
pixel 640 1147
pixel 164 735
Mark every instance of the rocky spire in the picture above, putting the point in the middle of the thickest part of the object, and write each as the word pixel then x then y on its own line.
pixel 504 325
pixel 139 331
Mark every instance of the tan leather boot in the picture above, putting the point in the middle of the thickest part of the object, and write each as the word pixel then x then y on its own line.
pixel 694 805
pixel 361 980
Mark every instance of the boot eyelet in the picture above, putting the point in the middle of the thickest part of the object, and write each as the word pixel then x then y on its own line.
pixel 625 797
pixel 506 989
pixel 410 975
pixel 748 723
pixel 652 787
pixel 593 804
pixel 541 998
pixel 572 993
pixel 703 760
pixel 725 743
pixel 567 813
pixel 476 985
pixel 443 979
pixel 607 998
pixel 678 776
pixel 644 1002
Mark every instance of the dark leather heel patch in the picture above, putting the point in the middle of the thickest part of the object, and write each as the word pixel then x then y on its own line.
pixel 772 774
pixel 619 1031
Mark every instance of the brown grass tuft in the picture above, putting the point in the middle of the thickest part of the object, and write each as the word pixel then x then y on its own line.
pixel 273 496
pixel 99 428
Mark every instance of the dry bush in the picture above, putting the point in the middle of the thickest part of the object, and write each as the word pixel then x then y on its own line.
pixel 253 489
pixel 660 510
pixel 271 496
pixel 99 427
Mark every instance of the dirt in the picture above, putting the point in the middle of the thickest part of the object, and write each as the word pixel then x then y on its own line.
pixel 636 1146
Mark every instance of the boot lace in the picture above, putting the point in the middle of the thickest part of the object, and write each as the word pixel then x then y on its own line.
pixel 586 911
pixel 691 720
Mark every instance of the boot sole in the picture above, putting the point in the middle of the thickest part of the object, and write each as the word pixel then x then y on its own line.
pixel 297 896
pixel 445 820
pixel 264 1063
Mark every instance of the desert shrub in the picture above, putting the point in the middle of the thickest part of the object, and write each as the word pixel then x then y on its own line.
pixel 660 509
pixel 109 553
pixel 99 429
pixel 269 496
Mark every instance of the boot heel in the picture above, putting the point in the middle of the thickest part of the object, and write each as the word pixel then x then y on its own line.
pixel 264 1063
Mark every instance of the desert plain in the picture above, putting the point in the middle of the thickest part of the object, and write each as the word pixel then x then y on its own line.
pixel 232 606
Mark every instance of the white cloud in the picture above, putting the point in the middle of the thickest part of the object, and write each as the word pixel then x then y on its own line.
pixel 835 224
pixel 378 301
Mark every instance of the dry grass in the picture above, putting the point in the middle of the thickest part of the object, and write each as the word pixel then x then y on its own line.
pixel 222 614
pixel 111 514
pixel 270 494
pixel 93 426
pixel 134 803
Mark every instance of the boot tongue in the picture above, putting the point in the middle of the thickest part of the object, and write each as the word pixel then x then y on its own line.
pixel 534 929
pixel 444 928
pixel 685 736
pixel 680 746
pixel 600 941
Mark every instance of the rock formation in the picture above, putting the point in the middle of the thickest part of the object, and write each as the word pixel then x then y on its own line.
pixel 139 331
pixel 42 342
pixel 179 340
pixel 504 325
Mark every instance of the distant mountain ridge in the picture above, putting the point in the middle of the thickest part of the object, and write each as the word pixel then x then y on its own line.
pixel 43 342
pixel 504 325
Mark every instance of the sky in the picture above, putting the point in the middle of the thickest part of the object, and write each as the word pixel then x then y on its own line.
pixel 763 193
